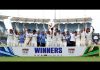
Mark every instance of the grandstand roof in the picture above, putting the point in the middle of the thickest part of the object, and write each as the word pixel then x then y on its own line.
pixel 22 19
pixel 87 19
pixel 2 17
pixel 29 19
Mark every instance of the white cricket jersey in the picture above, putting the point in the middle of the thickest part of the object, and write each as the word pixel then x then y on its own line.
pixel 16 37
pixel 59 37
pixel 72 37
pixel 77 37
pixel 10 36
pixel 34 37
pixel 28 34
pixel 54 38
pixel 89 36
pixel 83 35
pixel 48 37
pixel 10 39
pixel 31 34
pixel 64 38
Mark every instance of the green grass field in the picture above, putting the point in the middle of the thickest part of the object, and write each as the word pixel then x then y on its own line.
pixel 47 59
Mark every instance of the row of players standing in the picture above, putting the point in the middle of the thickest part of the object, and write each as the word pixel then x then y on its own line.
pixel 75 38
pixel 49 38
pixel 31 38
pixel 82 38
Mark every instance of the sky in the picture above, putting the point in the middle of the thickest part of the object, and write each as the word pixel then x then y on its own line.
pixel 50 14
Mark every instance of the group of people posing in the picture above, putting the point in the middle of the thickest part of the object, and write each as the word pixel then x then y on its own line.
pixel 50 38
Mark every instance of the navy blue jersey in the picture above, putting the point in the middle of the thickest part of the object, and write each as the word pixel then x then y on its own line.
pixel 39 38
pixel 21 38
pixel 43 38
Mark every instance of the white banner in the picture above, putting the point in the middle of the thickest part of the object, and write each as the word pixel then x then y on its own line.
pixel 23 51
pixel 49 51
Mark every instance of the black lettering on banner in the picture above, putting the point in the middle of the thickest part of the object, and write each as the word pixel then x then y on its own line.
pixel 52 50
pixel 71 50
pixel 60 50
pixel 37 50
pixel 44 50
pixel 25 50
pixel 48 50
pixel 56 50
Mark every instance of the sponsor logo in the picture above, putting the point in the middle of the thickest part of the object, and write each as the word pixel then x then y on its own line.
pixel 71 50
pixel 25 51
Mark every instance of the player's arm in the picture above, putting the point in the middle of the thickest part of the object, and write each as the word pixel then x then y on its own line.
pixel 92 29
pixel 30 40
